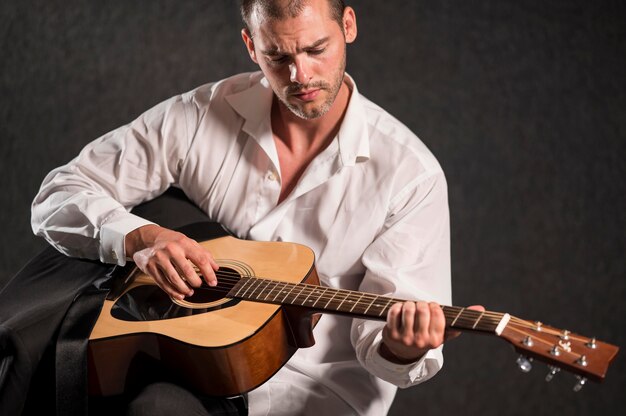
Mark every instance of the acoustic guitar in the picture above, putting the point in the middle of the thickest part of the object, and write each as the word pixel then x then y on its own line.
pixel 229 339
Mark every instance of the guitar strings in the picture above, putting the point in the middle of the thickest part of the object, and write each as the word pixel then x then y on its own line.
pixel 358 300
pixel 361 295
pixel 463 317
pixel 350 296
pixel 466 317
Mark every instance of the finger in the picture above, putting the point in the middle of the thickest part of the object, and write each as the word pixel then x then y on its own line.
pixel 477 308
pixel 186 270
pixel 423 318
pixel 408 322
pixel 163 282
pixel 164 263
pixel 205 263
pixel 450 334
pixel 437 324
pixel 394 323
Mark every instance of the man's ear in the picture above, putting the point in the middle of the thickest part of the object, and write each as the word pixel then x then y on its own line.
pixel 349 24
pixel 247 40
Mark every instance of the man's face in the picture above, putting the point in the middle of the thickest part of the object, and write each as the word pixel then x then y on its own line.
pixel 303 58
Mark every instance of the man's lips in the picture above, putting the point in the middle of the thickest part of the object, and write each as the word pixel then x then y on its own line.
pixel 307 95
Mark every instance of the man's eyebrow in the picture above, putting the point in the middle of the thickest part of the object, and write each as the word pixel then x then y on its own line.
pixel 273 51
pixel 316 44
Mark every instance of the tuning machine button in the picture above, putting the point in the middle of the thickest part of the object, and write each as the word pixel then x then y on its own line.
pixel 528 342
pixel 592 343
pixel 524 363
pixel 579 385
pixel 552 372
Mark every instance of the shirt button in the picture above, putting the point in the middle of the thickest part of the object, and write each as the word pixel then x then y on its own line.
pixel 271 176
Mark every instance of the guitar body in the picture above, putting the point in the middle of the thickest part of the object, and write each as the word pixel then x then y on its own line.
pixel 218 346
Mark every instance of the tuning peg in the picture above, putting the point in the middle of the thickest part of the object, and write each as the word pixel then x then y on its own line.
pixel 579 385
pixel 592 343
pixel 552 372
pixel 524 363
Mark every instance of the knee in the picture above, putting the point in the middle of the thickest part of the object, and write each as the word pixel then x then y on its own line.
pixel 165 399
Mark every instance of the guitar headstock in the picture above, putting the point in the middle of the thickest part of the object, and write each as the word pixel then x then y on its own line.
pixel 560 349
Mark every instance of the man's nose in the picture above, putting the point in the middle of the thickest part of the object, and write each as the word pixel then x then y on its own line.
pixel 299 72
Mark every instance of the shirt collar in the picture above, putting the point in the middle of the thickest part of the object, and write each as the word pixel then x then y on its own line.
pixel 353 134
pixel 254 104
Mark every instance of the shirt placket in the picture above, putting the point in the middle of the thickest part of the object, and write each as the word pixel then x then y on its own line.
pixel 268 191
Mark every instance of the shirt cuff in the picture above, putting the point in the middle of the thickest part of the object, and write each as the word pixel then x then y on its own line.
pixel 112 234
pixel 403 375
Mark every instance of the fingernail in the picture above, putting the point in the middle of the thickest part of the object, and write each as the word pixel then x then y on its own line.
pixel 190 293
pixel 213 283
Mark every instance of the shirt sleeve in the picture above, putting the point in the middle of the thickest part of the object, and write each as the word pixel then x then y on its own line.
pixel 410 259
pixel 82 207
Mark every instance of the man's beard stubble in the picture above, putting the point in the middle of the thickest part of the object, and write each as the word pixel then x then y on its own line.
pixel 322 109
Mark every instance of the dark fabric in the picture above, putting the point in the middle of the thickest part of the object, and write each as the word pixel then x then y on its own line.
pixel 71 349
pixel 36 300
pixel 164 398
pixel 32 307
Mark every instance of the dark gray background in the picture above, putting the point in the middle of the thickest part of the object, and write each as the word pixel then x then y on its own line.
pixel 522 102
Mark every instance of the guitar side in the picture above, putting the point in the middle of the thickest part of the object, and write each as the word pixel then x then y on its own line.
pixel 223 352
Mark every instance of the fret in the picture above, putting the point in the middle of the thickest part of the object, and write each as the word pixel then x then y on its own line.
pixel 288 293
pixel 472 319
pixel 249 283
pixel 274 285
pixel 386 307
pixel 457 316
pixel 357 302
pixel 370 305
pixel 242 284
pixel 299 293
pixel 478 320
pixel 259 283
pixel 320 296
pixel 282 287
pixel 331 299
pixel 382 306
pixel 344 299
pixel 307 298
pixel 278 287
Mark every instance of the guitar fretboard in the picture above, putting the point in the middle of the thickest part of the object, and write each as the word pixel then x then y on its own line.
pixel 353 303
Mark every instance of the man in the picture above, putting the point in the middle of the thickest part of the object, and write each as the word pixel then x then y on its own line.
pixel 291 153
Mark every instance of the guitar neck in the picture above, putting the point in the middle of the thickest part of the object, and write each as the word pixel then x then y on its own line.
pixel 353 303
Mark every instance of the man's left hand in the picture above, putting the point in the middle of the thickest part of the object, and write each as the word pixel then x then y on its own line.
pixel 414 328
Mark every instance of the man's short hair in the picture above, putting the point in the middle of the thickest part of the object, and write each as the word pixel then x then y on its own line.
pixel 280 9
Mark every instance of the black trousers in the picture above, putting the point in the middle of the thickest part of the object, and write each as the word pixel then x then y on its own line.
pixel 164 398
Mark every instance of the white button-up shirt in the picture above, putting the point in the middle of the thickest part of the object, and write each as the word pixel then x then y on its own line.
pixel 372 206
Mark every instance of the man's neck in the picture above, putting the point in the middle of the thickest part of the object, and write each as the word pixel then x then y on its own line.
pixel 299 141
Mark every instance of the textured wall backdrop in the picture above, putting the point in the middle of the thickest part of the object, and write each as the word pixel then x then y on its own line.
pixel 523 103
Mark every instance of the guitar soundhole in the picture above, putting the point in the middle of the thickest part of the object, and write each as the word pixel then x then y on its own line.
pixel 151 303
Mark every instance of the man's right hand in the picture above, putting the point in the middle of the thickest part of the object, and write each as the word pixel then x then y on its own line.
pixel 168 256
